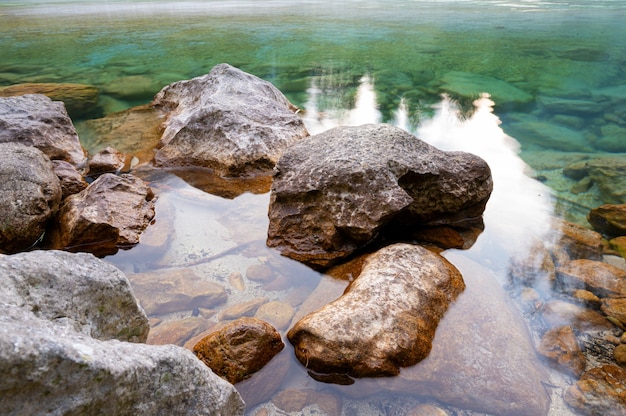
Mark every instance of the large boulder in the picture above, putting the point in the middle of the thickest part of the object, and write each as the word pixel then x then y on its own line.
pixel 385 320
pixel 227 120
pixel 335 192
pixel 30 194
pixel 65 319
pixel 36 120
pixel 111 213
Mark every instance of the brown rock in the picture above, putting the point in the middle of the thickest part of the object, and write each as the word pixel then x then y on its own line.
pixel 598 277
pixel 175 290
pixel 259 272
pixel 176 332
pixel 240 349
pixel 609 219
pixel 386 319
pixel 619 245
pixel 559 313
pixel 72 182
pixel 239 310
pixel 579 242
pixel 294 400
pixel 536 268
pixel 277 313
pixel 619 353
pixel 111 213
pixel 261 387
pixel 108 160
pixel 560 346
pixel 600 391
pixel 615 308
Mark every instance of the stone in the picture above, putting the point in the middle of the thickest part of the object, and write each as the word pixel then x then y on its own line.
pixel 228 120
pixel 71 180
pixel 259 272
pixel 600 278
pixel 471 85
pixel 612 138
pixel 427 410
pixel 548 135
pixel 109 214
pixel 560 346
pixel 81 100
pixel 241 309
pixel 385 320
pixel 579 242
pixel 559 313
pixel 619 245
pixel 36 120
pixel 108 160
pixel 176 290
pixel 295 400
pixel 600 391
pixel 615 308
pixel 177 332
pixel 337 191
pixel 132 87
pixel 30 194
pixel 609 219
pixel 608 173
pixel 262 387
pixel 239 349
pixel 277 313
pixel 568 106
pixel 619 353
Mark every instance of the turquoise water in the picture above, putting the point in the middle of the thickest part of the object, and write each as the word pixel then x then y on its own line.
pixel 556 71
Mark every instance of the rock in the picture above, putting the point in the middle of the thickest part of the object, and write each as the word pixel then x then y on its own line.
pixel 472 85
pixel 619 245
pixel 81 101
pixel 260 272
pixel 177 332
pixel 30 194
pixel 239 349
pixel 265 383
pixel 277 313
pixel 619 353
pixel 559 313
pixel 612 139
pixel 335 192
pixel 72 182
pixel 176 290
pixel 132 87
pixel 227 120
pixel 111 213
pixel 35 120
pixel 608 173
pixel 108 160
pixel 568 106
pixel 579 242
pixel 385 320
pixel 615 308
pixel 294 400
pixel 427 410
pixel 600 278
pixel 600 391
pixel 548 135
pixel 560 347
pixel 609 219
pixel 239 310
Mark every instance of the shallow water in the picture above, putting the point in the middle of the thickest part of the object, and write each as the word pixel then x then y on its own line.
pixel 555 71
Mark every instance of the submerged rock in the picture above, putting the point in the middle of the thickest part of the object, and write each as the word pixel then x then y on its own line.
pixel 560 346
pixel 385 320
pixel 600 278
pixel 30 194
pixel 227 120
pixel 472 85
pixel 600 391
pixel 335 192
pixel 608 174
pixel 36 120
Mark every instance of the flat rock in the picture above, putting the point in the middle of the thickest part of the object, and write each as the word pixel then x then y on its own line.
pixel 560 347
pixel 472 85
pixel 30 194
pixel 609 219
pixel 579 242
pixel 600 391
pixel 600 278
pixel 227 120
pixel 337 191
pixel 548 135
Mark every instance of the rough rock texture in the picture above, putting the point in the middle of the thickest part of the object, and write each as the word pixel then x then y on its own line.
pixel 335 192
pixel 72 182
pixel 560 347
pixel 600 391
pixel 35 120
pixel 30 194
pixel 600 278
pixel 108 160
pixel 227 120
pixel 110 213
pixel 608 174
pixel 615 308
pixel 579 242
pixel 385 320
pixel 609 219
pixel 239 349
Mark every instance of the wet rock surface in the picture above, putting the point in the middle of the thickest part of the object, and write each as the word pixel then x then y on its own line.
pixel 600 391
pixel 335 192
pixel 598 277
pixel 386 319
pixel 30 194
pixel 609 219
pixel 227 120
pixel 560 346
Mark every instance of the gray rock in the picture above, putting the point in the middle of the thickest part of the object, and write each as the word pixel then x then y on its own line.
pixel 337 191
pixel 30 194
pixel 62 317
pixel 385 320
pixel 227 120
pixel 36 120
pixel 72 182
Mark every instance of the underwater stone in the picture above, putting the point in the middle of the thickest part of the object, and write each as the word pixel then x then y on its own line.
pixel 472 85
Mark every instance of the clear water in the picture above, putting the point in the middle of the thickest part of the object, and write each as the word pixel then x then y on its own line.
pixel 555 71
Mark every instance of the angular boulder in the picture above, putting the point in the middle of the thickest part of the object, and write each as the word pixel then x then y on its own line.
pixel 111 213
pixel 65 319
pixel 385 320
pixel 335 192
pixel 30 194
pixel 107 160
pixel 609 219
pixel 228 120
pixel 72 182
pixel 600 391
pixel 36 120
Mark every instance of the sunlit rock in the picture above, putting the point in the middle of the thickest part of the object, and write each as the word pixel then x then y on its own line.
pixel 335 192
pixel 579 242
pixel 615 308
pixel 35 120
pixel 385 320
pixel 72 182
pixel 560 346
pixel 600 391
pixel 107 160
pixel 227 120
pixel 609 219
pixel 276 313
pixel 239 349
pixel 601 278
pixel 30 194
pixel 109 214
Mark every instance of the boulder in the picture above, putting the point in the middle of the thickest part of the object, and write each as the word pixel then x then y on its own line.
pixel 579 242
pixel 609 219
pixel 385 320
pixel 612 138
pixel 36 120
pixel 72 182
pixel 615 308
pixel 107 160
pixel 227 120
pixel 239 349
pixel 335 192
pixel 600 278
pixel 607 173
pixel 30 194
pixel 110 213
pixel 560 346
pixel 600 391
